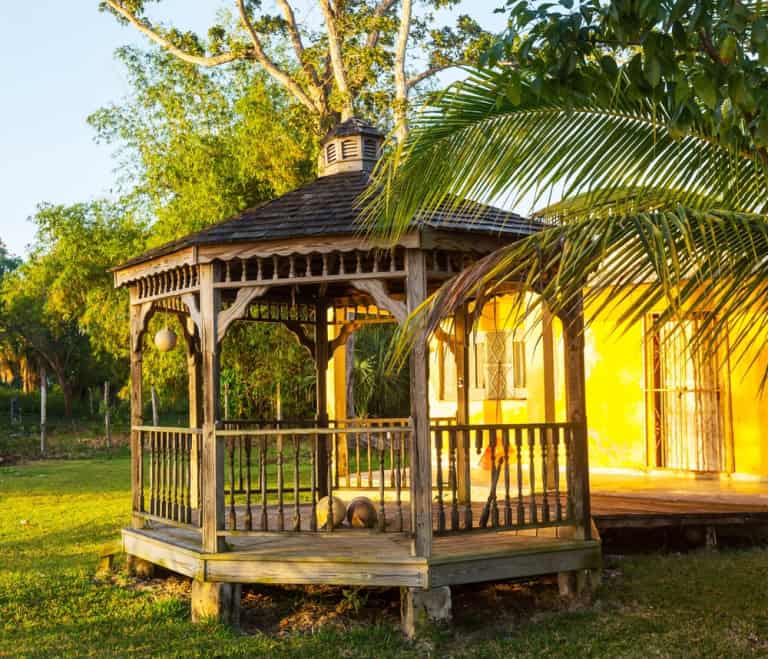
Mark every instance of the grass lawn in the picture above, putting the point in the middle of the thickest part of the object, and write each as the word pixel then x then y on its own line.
pixel 54 516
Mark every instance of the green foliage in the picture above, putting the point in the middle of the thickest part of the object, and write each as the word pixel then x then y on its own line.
pixel 294 45
pixel 256 358
pixel 378 391
pixel 646 121
pixel 197 147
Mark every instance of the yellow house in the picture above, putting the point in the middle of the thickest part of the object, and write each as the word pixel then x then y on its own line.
pixel 654 408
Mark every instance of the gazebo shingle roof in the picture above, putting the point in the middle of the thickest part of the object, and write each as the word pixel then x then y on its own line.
pixel 328 207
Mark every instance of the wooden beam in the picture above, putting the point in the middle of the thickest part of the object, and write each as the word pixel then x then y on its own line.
pixel 461 355
pixel 238 308
pixel 321 379
pixel 194 389
pixel 122 276
pixel 138 317
pixel 421 454
pixel 378 291
pixel 548 349
pixel 213 451
pixel 576 407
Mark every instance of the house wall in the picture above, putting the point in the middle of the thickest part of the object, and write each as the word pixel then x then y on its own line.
pixel 616 406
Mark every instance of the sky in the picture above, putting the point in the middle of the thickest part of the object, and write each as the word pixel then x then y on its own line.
pixel 57 67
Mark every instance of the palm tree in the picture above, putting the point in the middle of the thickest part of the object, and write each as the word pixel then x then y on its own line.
pixel 658 209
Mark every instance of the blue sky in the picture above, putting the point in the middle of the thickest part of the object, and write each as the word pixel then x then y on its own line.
pixel 57 68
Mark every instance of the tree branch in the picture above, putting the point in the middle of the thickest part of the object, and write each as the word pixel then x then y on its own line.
pixel 381 9
pixel 432 70
pixel 401 83
pixel 298 46
pixel 275 71
pixel 146 29
pixel 337 60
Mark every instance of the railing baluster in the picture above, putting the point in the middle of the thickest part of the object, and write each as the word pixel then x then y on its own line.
pixel 519 452
pixel 281 483
pixel 569 452
pixel 296 486
pixel 358 468
pixel 248 511
pixel 507 502
pixel 467 479
pixel 370 460
pixel 232 484
pixel 329 523
pixel 264 522
pixel 188 471
pixel 177 502
pixel 382 484
pixel 313 483
pixel 153 507
pixel 544 441
pixel 452 479
pixel 240 442
pixel 391 461
pixel 439 459
pixel 398 480
pixel 164 474
pixel 495 471
pixel 556 471
pixel 533 512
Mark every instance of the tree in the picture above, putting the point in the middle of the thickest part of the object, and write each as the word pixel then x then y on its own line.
pixel 195 147
pixel 649 120
pixel 59 305
pixel 356 60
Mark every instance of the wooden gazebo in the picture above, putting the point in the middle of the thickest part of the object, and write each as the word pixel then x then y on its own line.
pixel 229 502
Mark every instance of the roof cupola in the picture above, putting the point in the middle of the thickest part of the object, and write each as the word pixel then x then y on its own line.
pixel 352 146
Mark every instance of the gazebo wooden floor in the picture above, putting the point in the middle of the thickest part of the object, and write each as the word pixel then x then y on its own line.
pixel 363 557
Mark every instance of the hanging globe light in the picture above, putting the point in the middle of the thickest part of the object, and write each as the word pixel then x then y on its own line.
pixel 165 340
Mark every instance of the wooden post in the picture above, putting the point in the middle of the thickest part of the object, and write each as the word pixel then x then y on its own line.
pixel 461 355
pixel 43 408
pixel 107 417
pixel 548 357
pixel 213 450
pixel 576 405
pixel 321 379
pixel 194 374
pixel 137 475
pixel 421 467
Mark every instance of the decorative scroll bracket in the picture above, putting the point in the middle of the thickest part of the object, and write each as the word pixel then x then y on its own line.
pixel 377 289
pixel 296 328
pixel 238 308
pixel 145 311
pixel 190 302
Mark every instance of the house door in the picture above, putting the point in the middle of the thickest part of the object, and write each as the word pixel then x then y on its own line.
pixel 687 411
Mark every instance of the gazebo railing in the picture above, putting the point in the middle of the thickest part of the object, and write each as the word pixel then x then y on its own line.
pixel 171 472
pixel 518 476
pixel 272 477
pixel 490 476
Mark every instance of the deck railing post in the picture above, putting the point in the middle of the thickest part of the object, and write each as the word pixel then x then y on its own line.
pixel 321 374
pixel 576 405
pixel 213 450
pixel 137 318
pixel 421 462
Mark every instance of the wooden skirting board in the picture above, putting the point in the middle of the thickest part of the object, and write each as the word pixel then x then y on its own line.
pixel 365 559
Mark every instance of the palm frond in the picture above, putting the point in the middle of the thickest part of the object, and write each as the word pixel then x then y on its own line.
pixel 474 143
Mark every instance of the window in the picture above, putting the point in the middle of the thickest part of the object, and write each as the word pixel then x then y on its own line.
pixel 687 415
pixel 505 366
